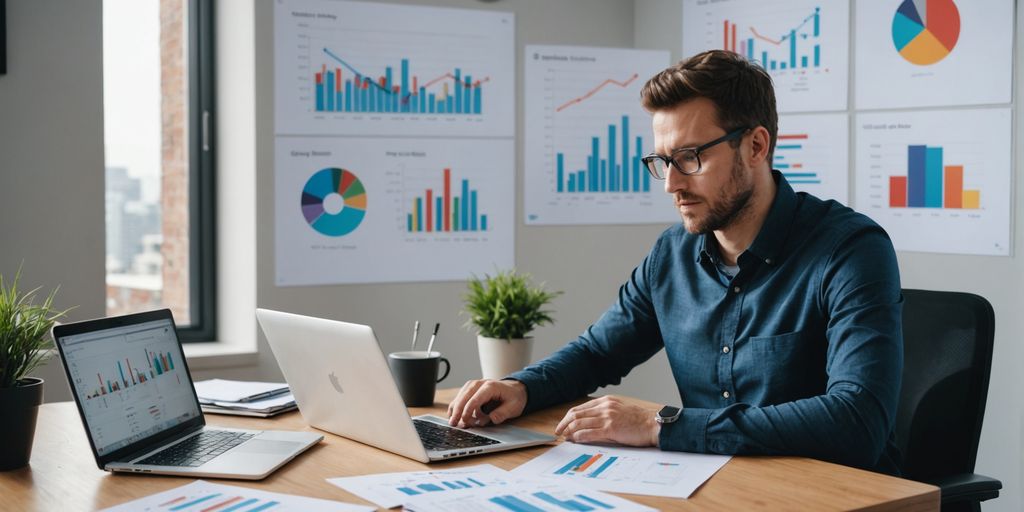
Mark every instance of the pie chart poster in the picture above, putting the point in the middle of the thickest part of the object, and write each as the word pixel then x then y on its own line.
pixel 375 210
pixel 924 53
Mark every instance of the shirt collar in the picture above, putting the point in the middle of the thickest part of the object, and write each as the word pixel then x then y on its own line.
pixel 769 241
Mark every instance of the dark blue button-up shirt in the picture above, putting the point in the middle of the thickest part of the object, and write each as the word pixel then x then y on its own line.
pixel 800 353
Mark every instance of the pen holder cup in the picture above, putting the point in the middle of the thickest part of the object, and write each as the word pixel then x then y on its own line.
pixel 415 373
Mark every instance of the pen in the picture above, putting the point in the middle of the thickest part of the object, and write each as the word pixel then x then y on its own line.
pixel 261 396
pixel 415 334
pixel 432 336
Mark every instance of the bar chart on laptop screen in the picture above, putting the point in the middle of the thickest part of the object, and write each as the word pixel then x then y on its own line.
pixel 353 68
pixel 803 44
pixel 586 132
pixel 937 181
pixel 130 385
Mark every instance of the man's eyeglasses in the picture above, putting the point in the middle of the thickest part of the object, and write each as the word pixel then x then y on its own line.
pixel 685 160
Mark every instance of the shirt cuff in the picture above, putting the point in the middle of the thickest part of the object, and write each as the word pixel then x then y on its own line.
pixel 687 434
pixel 534 388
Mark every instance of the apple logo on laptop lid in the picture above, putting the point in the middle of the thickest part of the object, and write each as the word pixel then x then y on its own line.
pixel 335 383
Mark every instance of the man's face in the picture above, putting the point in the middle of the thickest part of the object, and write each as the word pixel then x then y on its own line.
pixel 720 194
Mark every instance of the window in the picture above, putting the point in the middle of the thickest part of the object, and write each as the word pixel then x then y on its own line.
pixel 157 95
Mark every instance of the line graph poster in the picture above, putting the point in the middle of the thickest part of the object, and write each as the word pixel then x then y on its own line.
pixel 937 181
pixel 941 52
pixel 372 210
pixel 803 44
pixel 355 68
pixel 585 133
pixel 812 153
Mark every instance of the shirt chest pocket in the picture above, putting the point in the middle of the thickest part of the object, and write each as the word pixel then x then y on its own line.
pixel 777 369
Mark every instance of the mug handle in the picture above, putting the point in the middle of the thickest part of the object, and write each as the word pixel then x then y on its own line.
pixel 447 368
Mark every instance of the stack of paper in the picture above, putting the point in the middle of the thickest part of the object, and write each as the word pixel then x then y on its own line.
pixel 243 398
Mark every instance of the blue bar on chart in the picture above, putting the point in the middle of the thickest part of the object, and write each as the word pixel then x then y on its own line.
pixel 574 464
pixel 572 504
pixel 454 93
pixel 514 504
pixel 602 467
pixel 608 174
pixel 792 54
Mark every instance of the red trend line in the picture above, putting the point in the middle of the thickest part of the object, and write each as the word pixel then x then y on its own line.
pixel 764 38
pixel 449 75
pixel 594 91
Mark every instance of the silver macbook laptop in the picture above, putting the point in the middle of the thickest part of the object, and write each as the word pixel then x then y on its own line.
pixel 342 384
pixel 131 382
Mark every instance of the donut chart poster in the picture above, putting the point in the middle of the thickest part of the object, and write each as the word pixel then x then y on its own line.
pixel 373 210
pixel 929 53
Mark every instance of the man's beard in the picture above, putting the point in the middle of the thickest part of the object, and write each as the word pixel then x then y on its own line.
pixel 728 208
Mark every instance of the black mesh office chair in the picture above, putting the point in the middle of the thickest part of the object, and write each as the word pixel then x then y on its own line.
pixel 947 346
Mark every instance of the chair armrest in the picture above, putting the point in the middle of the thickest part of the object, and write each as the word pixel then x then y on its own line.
pixel 967 486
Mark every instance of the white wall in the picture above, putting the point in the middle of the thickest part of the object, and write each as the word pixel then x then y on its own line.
pixel 51 157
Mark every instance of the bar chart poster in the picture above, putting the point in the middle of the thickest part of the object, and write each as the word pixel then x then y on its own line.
pixel 390 490
pixel 812 152
pixel 373 210
pixel 356 68
pixel 912 53
pixel 803 44
pixel 585 134
pixel 938 181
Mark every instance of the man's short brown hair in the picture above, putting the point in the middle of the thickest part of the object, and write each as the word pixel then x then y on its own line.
pixel 741 90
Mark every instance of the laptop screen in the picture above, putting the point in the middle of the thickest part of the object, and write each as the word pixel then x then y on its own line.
pixel 130 382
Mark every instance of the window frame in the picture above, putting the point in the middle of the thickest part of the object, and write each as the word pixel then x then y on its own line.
pixel 202 182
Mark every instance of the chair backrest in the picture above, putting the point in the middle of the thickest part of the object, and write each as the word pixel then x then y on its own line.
pixel 947 347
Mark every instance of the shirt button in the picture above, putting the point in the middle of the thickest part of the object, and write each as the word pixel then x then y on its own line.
pixel 768 261
pixel 725 350
pixel 736 289
pixel 725 394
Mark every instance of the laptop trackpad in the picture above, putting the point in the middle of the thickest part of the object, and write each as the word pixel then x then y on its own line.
pixel 269 447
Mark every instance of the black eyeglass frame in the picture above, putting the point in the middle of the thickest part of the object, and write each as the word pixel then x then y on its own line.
pixel 670 162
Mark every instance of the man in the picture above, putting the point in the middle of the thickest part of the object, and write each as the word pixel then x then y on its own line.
pixel 780 313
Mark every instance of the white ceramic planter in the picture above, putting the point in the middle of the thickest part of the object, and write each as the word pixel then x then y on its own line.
pixel 500 357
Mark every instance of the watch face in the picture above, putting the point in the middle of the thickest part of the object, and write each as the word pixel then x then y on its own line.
pixel 668 411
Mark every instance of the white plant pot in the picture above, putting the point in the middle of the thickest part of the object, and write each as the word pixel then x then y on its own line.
pixel 500 357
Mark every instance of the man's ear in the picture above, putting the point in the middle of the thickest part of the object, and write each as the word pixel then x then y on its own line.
pixel 760 142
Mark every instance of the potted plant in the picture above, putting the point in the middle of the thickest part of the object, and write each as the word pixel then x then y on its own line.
pixel 504 309
pixel 24 335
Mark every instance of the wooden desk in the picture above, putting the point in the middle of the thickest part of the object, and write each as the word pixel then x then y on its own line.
pixel 63 475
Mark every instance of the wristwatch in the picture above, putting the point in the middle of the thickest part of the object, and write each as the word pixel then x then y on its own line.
pixel 668 414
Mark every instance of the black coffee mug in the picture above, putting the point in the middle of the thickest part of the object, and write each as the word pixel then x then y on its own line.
pixel 415 373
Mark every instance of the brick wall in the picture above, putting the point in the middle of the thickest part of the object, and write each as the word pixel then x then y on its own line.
pixel 174 158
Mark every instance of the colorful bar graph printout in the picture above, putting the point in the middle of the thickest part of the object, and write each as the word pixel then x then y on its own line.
pixel 929 183
pixel 343 88
pixel 797 48
pixel 441 212
pixel 618 169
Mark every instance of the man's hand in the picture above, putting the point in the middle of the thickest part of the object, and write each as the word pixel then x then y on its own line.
pixel 482 402
pixel 609 420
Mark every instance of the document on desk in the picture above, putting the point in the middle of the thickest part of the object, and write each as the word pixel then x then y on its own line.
pixel 628 470
pixel 523 496
pixel 390 490
pixel 201 495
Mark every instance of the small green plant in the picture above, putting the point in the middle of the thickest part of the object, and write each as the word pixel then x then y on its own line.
pixel 507 306
pixel 24 327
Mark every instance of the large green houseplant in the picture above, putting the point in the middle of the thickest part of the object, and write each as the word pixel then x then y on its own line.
pixel 504 309
pixel 24 344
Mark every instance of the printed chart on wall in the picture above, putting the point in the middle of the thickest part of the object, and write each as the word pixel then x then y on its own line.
pixel 916 53
pixel 803 44
pixel 937 181
pixel 586 132
pixel 812 153
pixel 353 68
pixel 361 210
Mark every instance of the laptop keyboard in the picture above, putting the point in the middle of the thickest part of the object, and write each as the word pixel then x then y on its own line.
pixel 441 437
pixel 198 449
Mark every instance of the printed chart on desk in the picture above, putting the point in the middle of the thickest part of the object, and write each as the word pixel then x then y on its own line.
pixel 354 68
pixel 201 496
pixel 363 210
pixel 803 44
pixel 585 134
pixel 916 53
pixel 812 153
pixel 524 496
pixel 937 181
pixel 128 397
